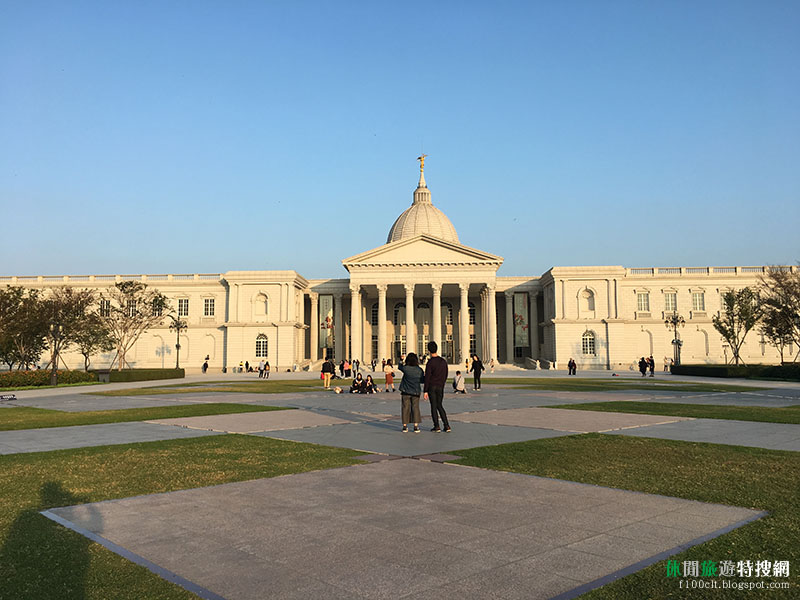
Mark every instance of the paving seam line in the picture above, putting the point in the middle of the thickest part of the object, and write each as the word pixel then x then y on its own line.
pixel 582 589
pixel 135 558
pixel 648 424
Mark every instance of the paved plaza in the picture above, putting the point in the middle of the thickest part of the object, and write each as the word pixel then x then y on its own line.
pixel 403 524
pixel 400 528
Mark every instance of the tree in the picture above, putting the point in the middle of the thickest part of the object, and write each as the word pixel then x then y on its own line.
pixel 780 289
pixel 741 311
pixel 23 327
pixel 93 338
pixel 130 309
pixel 66 311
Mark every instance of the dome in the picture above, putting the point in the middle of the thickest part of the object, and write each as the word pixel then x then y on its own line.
pixel 422 218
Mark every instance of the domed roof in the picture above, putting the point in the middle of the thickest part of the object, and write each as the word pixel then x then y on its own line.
pixel 422 218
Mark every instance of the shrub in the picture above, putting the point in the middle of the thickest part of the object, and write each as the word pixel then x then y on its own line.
pixel 42 377
pixel 789 371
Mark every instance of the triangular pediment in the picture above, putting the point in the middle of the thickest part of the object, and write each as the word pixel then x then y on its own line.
pixel 422 250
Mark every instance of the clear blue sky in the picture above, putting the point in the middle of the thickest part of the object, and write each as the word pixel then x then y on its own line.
pixel 151 137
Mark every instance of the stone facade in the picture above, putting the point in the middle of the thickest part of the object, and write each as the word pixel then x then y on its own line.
pixel 604 317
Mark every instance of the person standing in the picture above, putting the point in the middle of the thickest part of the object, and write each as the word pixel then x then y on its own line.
pixel 327 373
pixel 266 369
pixel 205 367
pixel 666 364
pixel 413 378
pixel 643 366
pixel 374 362
pixel 476 369
pixel 261 369
pixel 347 368
pixel 491 366
pixel 388 371
pixel 435 379
pixel 652 366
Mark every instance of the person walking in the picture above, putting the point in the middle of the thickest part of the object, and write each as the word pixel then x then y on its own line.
pixel 435 378
pixel 476 369
pixel 388 371
pixel 652 366
pixel 413 377
pixel 327 373
pixel 347 368
pixel 643 366
pixel 205 367
pixel 491 366
pixel 572 367
pixel 374 362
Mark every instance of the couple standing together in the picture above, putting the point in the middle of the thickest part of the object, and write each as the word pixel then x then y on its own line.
pixel 434 378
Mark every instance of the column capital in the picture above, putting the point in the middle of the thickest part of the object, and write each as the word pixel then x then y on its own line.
pixel 437 288
pixel 409 287
pixel 313 295
pixel 464 288
pixel 509 294
pixel 490 287
pixel 355 288
pixel 338 296
pixel 382 287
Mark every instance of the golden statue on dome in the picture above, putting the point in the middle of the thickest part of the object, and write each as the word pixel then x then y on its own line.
pixel 421 160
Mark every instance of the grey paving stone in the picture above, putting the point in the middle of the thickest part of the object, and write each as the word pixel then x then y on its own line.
pixel 382 436
pixel 395 528
pixel 85 403
pixel 775 436
pixel 60 438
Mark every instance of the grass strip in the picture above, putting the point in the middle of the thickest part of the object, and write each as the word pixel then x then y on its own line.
pixel 250 387
pixel 48 387
pixel 575 384
pixel 25 417
pixel 790 414
pixel 733 475
pixel 42 560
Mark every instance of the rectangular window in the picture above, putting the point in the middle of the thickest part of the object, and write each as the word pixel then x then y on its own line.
pixel 375 347
pixel 448 314
pixel 698 301
pixel 374 316
pixel 157 308
pixel 105 308
pixel 643 302
pixel 183 307
pixel 670 301
pixel 208 307
pixel 131 308
pixel 473 345
pixel 471 313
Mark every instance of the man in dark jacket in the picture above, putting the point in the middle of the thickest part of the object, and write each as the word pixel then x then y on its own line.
pixel 327 372
pixel 435 379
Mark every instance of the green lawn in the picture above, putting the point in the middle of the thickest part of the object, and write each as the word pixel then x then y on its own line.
pixel 47 387
pixel 248 387
pixel 734 475
pixel 24 417
pixel 790 414
pixel 577 384
pixel 40 560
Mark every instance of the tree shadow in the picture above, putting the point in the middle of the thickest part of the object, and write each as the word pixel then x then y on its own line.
pixel 41 559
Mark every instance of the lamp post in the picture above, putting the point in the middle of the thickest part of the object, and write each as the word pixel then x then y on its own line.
pixel 673 322
pixel 55 333
pixel 177 326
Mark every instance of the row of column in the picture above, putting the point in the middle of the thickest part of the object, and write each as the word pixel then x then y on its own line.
pixel 488 298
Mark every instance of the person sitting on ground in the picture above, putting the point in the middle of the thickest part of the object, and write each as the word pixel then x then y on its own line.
pixel 358 385
pixel 458 384
pixel 369 386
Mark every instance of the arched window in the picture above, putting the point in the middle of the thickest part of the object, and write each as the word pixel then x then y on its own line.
pixel 261 346
pixel 374 316
pixel 423 313
pixel 471 313
pixel 587 301
pixel 399 313
pixel 447 313
pixel 587 343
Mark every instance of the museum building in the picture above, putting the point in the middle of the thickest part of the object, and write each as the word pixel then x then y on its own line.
pixel 423 284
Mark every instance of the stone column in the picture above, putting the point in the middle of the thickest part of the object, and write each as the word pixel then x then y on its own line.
pixel 411 330
pixel 338 328
pixel 356 340
pixel 490 292
pixel 509 327
pixel 463 325
pixel 381 322
pixel 533 326
pixel 437 315
pixel 314 337
pixel 483 352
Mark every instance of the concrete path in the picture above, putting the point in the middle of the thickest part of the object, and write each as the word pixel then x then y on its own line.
pixel 399 529
pixel 82 436
pixel 774 436
pixel 562 419
pixel 254 422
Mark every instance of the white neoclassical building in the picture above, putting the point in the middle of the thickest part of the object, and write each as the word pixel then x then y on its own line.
pixel 423 284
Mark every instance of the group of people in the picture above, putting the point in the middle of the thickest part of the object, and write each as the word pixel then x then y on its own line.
pixel 363 386
pixel 572 367
pixel 348 368
pixel 263 369
pixel 647 364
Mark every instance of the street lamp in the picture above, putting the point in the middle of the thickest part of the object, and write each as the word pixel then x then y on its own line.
pixel 177 326
pixel 55 333
pixel 673 322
